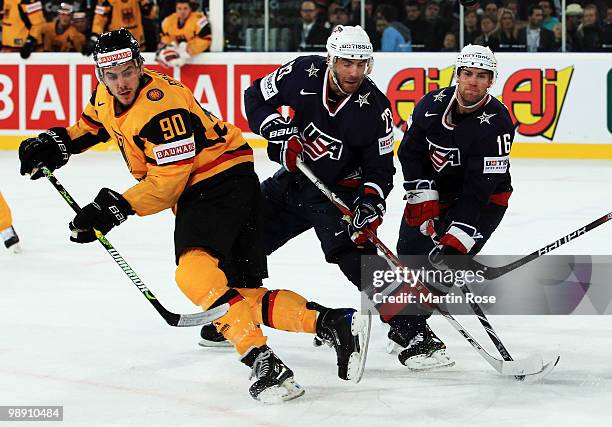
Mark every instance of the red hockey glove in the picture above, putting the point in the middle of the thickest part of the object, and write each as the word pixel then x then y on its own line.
pixel 459 239
pixel 422 202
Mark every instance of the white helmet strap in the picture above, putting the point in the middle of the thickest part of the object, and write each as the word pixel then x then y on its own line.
pixel 332 72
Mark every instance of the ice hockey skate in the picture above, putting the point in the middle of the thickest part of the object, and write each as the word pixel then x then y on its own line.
pixel 274 381
pixel 349 333
pixel 11 240
pixel 418 348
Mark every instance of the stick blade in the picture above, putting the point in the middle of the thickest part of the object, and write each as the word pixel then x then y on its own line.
pixel 546 369
pixel 529 366
pixel 202 318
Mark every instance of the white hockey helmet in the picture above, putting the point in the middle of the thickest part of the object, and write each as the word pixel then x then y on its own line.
pixel 349 42
pixel 476 56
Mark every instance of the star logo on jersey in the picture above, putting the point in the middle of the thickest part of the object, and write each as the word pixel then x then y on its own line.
pixel 439 97
pixel 442 156
pixel 318 144
pixel 312 71
pixel 484 117
pixel 363 99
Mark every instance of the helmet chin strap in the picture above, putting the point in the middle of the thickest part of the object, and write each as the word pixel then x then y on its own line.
pixel 335 78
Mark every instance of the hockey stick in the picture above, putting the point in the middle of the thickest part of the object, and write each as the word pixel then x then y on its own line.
pixel 531 366
pixel 173 319
pixel 491 273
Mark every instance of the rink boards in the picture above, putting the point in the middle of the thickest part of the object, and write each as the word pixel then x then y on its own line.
pixel 560 103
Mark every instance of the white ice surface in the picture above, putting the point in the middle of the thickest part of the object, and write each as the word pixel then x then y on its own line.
pixel 75 332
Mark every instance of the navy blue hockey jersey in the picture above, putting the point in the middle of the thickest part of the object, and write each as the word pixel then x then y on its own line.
pixel 468 160
pixel 353 139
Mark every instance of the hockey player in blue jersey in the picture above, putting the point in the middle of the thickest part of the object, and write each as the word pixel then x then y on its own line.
pixel 342 129
pixel 455 161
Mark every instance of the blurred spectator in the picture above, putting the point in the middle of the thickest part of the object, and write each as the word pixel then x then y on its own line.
pixel 490 8
pixel 416 24
pixel 395 35
pixel 185 33
pixel 557 32
pixel 437 27
pixel 487 26
pixel 60 35
pixel 321 12
pixel 515 7
pixel 536 38
pixel 607 30
pixel 50 8
pixel 21 26
pixel 232 30
pixel 471 30
pixel 111 15
pixel 589 35
pixel 370 24
pixel 573 14
pixel 151 27
pixel 476 7
pixel 338 15
pixel 308 35
pixel 450 43
pixel 505 36
pixel 548 10
pixel 166 8
pixel 80 22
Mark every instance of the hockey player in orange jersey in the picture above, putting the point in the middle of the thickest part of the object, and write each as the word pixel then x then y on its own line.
pixel 186 159
pixel 21 26
pixel 185 33
pixel 60 35
pixel 110 15
pixel 7 232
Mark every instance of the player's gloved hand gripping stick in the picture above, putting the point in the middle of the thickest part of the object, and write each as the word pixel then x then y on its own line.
pixel 172 319
pixel 531 369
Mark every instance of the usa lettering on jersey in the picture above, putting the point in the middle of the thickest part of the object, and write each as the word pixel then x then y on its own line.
pixel 319 144
pixel 442 156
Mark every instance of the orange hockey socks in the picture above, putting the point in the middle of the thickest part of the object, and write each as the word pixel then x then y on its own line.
pixel 199 277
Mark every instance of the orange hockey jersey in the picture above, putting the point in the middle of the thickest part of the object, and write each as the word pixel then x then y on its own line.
pixel 167 139
pixel 70 40
pixel 21 18
pixel 114 14
pixel 195 31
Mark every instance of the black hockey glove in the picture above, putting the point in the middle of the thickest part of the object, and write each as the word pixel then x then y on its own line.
pixel 49 148
pixel 285 144
pixel 28 47
pixel 368 212
pixel 108 209
pixel 279 129
pixel 89 47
